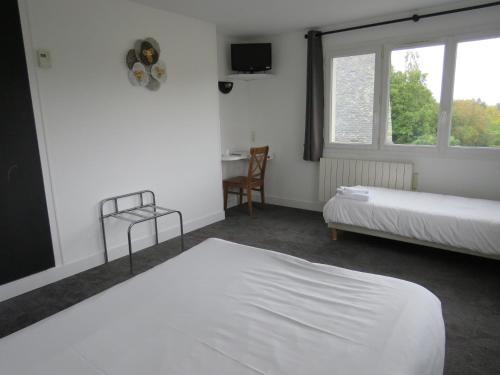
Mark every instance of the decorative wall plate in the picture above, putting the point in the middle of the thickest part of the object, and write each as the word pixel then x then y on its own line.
pixel 148 55
pixel 153 85
pixel 144 64
pixel 159 71
pixel 138 75
pixel 154 43
pixel 131 58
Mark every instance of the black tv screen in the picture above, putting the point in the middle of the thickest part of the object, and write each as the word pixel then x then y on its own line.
pixel 251 57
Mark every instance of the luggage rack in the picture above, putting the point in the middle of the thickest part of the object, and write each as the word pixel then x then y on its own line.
pixel 136 215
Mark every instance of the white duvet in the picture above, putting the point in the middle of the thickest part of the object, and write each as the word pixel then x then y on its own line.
pixel 227 309
pixel 472 224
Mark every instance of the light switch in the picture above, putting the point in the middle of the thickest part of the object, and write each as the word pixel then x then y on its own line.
pixel 44 60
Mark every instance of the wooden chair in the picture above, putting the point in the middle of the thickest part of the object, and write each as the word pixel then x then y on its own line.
pixel 254 181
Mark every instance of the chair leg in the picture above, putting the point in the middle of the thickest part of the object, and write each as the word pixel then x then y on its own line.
pixel 225 197
pixel 241 196
pixel 249 200
pixel 262 198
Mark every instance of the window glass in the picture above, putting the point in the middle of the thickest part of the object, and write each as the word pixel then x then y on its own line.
pixel 415 80
pixel 476 95
pixel 353 87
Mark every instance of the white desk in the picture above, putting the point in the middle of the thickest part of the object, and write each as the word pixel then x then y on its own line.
pixel 234 157
pixel 231 157
pixel 237 165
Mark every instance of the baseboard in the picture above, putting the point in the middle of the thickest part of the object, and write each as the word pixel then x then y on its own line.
pixel 279 201
pixel 170 232
pixel 304 205
pixel 233 200
pixel 49 276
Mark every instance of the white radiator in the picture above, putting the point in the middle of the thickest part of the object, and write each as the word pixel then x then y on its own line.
pixel 349 172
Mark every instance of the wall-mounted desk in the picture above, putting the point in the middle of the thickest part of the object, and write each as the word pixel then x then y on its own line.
pixel 236 157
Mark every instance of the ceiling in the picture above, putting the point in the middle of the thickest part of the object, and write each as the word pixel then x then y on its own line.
pixel 264 17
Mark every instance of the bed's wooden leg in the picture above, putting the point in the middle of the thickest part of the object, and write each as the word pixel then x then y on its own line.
pixel 334 234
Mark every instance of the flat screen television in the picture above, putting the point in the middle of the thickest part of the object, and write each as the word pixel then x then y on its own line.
pixel 251 57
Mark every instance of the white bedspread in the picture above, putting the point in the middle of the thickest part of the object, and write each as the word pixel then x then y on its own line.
pixel 466 223
pixel 227 309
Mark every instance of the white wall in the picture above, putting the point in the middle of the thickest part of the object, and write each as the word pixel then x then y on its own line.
pixel 234 114
pixel 104 137
pixel 277 112
pixel 234 109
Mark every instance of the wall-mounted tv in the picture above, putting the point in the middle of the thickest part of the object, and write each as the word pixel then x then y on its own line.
pixel 251 57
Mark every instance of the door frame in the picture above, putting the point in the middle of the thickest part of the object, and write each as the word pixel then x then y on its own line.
pixel 43 147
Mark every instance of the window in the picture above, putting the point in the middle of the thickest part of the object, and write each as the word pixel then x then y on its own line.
pixel 476 95
pixel 352 99
pixel 426 96
pixel 415 78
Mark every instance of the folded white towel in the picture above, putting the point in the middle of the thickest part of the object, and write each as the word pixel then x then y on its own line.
pixel 354 190
pixel 353 196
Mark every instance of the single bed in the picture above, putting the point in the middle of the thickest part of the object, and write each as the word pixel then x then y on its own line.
pixel 224 308
pixel 444 221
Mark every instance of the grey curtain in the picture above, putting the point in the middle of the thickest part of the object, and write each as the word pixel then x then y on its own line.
pixel 313 145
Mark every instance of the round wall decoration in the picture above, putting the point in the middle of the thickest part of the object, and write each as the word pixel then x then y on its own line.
pixel 159 71
pixel 138 75
pixel 144 64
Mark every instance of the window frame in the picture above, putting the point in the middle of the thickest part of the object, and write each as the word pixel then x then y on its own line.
pixel 329 96
pixel 385 94
pixel 466 150
pixel 382 50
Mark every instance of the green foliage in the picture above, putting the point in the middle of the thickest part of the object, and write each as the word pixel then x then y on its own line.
pixel 471 123
pixel 415 112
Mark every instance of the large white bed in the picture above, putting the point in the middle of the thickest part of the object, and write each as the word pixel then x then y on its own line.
pixel 224 308
pixel 451 222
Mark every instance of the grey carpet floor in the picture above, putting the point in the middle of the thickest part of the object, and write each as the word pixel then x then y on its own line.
pixel 468 287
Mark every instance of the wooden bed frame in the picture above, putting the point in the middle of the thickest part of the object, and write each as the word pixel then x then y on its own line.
pixel 337 229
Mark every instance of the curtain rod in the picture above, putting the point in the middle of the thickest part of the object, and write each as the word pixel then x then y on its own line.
pixel 414 18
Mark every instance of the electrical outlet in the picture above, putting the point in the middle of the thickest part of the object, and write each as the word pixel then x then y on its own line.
pixel 253 136
pixel 44 59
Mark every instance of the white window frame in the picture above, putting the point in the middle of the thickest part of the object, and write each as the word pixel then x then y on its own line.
pixel 376 102
pixel 382 50
pixel 388 49
pixel 466 151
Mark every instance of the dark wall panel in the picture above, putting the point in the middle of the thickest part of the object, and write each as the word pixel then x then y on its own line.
pixel 25 241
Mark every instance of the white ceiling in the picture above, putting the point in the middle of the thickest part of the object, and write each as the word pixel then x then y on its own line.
pixel 264 17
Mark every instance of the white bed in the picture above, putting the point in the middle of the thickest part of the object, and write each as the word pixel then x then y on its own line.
pixel 228 309
pixel 455 223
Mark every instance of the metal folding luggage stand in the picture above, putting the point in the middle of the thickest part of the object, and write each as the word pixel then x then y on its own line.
pixel 147 211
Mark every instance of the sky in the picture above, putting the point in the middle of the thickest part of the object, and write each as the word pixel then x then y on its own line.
pixel 477 72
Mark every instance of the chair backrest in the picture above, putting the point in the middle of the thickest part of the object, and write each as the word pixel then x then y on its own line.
pixel 258 162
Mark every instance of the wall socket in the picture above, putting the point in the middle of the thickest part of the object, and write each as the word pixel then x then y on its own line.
pixel 44 59
pixel 253 136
